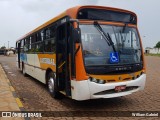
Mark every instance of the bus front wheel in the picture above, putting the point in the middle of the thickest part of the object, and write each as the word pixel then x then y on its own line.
pixel 51 85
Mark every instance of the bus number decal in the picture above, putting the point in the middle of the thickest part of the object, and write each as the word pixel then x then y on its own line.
pixel 47 61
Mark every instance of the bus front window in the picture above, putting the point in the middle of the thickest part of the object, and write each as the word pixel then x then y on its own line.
pixel 96 50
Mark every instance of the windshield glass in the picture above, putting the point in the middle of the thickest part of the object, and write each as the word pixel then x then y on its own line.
pixel 97 51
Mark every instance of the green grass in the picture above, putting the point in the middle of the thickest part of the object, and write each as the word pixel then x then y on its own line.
pixel 152 55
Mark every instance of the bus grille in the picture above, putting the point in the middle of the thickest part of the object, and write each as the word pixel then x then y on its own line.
pixel 112 91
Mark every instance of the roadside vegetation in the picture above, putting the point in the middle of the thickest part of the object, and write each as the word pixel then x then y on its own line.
pixel 152 54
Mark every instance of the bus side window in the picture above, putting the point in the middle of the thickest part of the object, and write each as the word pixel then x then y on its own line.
pixel 22 43
pixel 31 44
pixel 33 39
pixel 38 36
pixel 48 33
pixel 53 45
pixel 53 38
pixel 49 42
pixel 39 47
pixel 50 46
pixel 25 41
pixel 26 48
pixel 42 35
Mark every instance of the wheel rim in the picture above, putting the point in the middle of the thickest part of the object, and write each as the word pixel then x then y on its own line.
pixel 51 85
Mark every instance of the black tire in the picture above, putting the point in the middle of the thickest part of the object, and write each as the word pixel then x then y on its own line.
pixel 51 82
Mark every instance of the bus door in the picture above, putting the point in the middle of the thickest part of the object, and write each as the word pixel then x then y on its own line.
pixel 62 60
pixel 18 52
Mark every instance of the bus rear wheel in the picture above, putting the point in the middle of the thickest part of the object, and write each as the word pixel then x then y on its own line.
pixel 52 86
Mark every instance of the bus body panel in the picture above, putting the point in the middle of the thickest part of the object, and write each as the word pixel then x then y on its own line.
pixel 83 90
pixel 119 77
pixel 47 61
pixel 80 70
pixel 29 64
pixel 37 64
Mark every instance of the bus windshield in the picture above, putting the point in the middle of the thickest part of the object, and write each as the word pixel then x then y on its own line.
pixel 97 51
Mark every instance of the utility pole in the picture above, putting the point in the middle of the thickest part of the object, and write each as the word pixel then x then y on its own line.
pixel 8 44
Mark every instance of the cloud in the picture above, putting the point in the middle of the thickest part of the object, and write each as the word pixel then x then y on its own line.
pixel 18 17
pixel 22 16
pixel 88 2
pixel 36 5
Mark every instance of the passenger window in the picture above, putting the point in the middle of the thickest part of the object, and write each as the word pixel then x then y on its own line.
pixel 48 34
pixel 50 41
pixel 39 47
pixel 42 35
pixel 38 36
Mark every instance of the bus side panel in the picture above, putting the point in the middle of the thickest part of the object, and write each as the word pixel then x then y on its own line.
pixel 39 71
pixel 37 64
pixel 42 63
pixel 29 64
pixel 32 67
pixel 47 61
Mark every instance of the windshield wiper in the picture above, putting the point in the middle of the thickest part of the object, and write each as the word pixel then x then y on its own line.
pixel 105 36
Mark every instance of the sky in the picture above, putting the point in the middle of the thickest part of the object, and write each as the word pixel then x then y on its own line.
pixel 18 17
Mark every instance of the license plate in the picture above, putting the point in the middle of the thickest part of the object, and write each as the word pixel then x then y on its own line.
pixel 120 88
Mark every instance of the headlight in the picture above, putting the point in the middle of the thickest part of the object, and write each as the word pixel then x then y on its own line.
pixel 101 82
pixel 97 80
pixel 93 80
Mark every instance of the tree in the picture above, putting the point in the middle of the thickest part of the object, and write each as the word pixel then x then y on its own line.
pixel 158 45
pixel 3 47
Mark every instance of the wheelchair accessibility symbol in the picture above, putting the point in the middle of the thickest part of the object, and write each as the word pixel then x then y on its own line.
pixel 114 57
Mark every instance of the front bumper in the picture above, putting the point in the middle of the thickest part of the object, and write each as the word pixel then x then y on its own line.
pixel 83 90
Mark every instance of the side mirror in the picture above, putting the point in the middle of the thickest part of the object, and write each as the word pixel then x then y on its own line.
pixel 77 35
